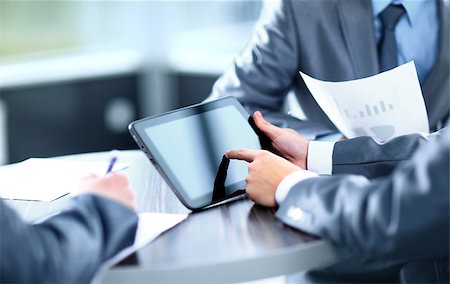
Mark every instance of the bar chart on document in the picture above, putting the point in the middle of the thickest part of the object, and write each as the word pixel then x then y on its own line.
pixel 382 132
pixel 382 106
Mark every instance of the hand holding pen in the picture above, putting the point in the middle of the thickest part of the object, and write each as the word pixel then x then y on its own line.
pixel 113 185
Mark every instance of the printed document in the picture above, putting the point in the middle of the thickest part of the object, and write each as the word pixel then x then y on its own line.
pixel 382 106
pixel 46 179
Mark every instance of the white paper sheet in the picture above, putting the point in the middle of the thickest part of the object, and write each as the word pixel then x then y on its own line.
pixel 152 225
pixel 383 106
pixel 47 179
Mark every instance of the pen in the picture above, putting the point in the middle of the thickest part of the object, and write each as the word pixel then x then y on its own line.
pixel 111 164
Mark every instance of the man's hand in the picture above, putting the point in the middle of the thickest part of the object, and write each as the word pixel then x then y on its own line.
pixel 287 142
pixel 114 186
pixel 265 172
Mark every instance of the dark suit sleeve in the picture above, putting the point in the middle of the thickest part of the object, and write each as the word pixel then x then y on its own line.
pixel 66 248
pixel 263 73
pixel 267 69
pixel 365 156
pixel 403 216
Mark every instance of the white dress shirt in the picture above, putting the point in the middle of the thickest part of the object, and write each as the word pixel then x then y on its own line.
pixel 289 181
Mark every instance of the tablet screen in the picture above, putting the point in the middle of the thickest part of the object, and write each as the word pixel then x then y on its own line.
pixel 189 150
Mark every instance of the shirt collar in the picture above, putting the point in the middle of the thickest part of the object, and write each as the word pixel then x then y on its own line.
pixel 412 7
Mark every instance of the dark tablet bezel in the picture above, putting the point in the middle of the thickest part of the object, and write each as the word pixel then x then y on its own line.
pixel 137 130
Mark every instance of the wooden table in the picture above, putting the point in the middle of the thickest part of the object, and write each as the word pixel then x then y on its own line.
pixel 235 241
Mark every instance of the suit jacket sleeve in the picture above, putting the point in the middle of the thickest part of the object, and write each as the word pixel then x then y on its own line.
pixel 66 248
pixel 262 75
pixel 365 156
pixel 404 215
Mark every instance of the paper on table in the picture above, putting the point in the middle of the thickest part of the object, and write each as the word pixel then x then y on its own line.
pixel 383 106
pixel 46 179
pixel 150 226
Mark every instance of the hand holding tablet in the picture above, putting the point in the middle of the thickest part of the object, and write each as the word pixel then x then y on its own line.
pixel 187 147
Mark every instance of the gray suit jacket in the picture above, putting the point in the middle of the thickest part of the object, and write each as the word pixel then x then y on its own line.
pixel 330 40
pixel 66 248
pixel 398 218
pixel 365 156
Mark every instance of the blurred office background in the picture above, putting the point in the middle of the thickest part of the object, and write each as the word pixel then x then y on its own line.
pixel 73 74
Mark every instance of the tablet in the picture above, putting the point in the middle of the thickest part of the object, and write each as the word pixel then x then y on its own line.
pixel 187 147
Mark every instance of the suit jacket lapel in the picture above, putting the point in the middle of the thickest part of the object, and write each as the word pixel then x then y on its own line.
pixel 436 88
pixel 356 24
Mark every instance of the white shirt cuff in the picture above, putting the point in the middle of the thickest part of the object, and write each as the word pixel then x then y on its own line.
pixel 289 181
pixel 320 157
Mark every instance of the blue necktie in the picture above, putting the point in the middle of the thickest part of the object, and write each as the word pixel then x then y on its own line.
pixel 387 48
